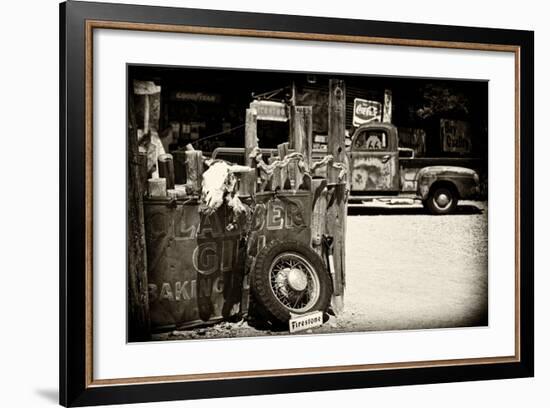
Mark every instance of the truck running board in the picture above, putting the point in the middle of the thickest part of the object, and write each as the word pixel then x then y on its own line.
pixel 384 201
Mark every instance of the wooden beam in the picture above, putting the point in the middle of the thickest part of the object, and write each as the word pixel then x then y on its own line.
pixel 194 169
pixel 319 213
pixel 249 180
pixel 386 115
pixel 337 210
pixel 285 184
pixel 301 137
pixel 138 300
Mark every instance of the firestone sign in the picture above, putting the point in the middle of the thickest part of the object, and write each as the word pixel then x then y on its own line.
pixel 365 111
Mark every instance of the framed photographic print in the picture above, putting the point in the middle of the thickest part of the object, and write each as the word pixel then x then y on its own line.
pixel 255 203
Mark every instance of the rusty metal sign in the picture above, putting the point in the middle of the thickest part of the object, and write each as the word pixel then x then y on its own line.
pixel 455 136
pixel 283 217
pixel 365 111
pixel 270 110
pixel 195 266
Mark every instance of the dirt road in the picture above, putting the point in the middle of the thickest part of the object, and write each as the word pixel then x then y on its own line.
pixel 404 270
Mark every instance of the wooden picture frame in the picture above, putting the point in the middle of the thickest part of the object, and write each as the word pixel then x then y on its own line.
pixel 78 20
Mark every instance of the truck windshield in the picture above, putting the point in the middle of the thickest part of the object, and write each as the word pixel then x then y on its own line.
pixel 371 140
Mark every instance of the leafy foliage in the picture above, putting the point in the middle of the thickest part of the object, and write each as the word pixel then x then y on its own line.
pixel 439 100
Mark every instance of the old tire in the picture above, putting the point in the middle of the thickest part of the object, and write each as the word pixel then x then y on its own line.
pixel 441 200
pixel 289 277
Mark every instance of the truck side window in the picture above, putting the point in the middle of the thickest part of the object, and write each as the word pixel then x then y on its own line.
pixel 371 140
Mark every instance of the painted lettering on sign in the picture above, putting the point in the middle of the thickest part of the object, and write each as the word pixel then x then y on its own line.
pixel 195 97
pixel 214 226
pixel 365 111
pixel 455 136
pixel 185 290
pixel 305 322
pixel 270 110
pixel 278 214
pixel 214 256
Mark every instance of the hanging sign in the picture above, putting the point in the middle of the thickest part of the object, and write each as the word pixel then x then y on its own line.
pixel 365 111
pixel 270 110
pixel 455 136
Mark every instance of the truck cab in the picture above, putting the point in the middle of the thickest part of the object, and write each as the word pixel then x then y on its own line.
pixel 374 159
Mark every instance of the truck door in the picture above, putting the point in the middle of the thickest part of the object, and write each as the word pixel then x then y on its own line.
pixel 375 160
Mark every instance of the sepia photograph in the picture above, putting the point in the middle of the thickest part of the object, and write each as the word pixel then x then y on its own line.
pixel 266 203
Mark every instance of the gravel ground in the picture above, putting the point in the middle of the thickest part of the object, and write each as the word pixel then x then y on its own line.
pixel 404 270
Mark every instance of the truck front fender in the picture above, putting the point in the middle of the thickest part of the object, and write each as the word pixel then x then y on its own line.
pixel 465 181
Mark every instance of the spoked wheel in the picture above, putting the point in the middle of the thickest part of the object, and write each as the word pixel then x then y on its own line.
pixel 290 277
pixel 293 282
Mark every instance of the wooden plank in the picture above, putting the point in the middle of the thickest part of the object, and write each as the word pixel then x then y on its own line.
pixel 386 116
pixel 301 139
pixel 276 177
pixel 143 173
pixel 337 211
pixel 138 300
pixel 302 133
pixel 284 177
pixel 319 213
pixel 194 170
pixel 249 180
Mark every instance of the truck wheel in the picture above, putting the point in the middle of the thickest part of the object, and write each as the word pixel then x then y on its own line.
pixel 289 277
pixel 442 200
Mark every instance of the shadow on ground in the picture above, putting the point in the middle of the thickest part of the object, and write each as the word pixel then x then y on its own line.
pixel 465 209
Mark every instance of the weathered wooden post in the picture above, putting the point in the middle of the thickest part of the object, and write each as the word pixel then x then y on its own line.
pixel 138 300
pixel 276 177
pixel 386 115
pixel 319 213
pixel 148 90
pixel 301 137
pixel 285 184
pixel 249 180
pixel 194 170
pixel 337 210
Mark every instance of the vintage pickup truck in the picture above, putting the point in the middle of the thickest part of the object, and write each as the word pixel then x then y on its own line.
pixel 382 173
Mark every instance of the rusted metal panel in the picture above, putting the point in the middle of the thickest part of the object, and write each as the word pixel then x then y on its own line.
pixel 408 179
pixel 466 181
pixel 375 159
pixel 194 268
pixel 371 172
pixel 283 216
